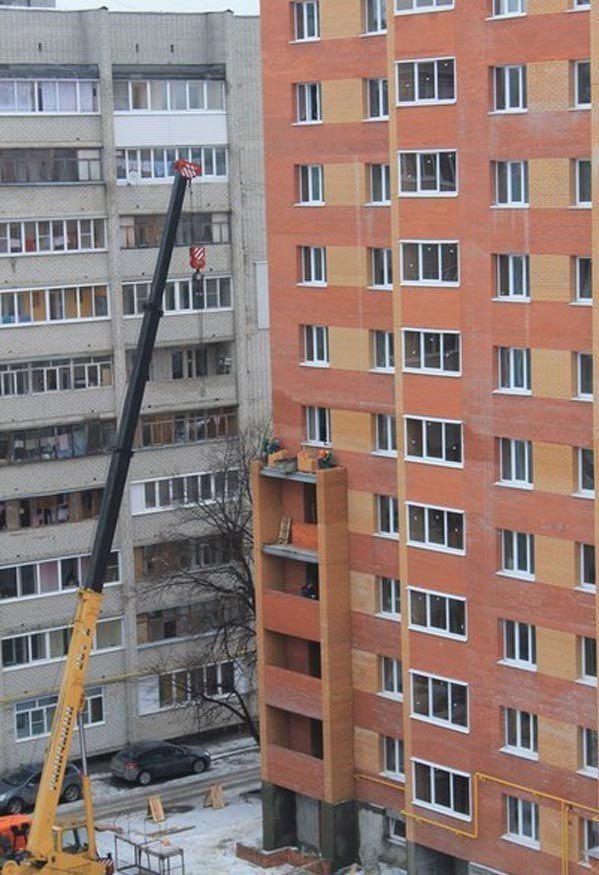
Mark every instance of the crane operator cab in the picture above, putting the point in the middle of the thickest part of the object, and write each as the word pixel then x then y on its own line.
pixel 70 847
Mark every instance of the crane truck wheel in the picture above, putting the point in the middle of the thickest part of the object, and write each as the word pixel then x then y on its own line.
pixel 144 778
pixel 15 805
pixel 9 868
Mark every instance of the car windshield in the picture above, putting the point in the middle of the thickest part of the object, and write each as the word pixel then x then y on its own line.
pixel 19 776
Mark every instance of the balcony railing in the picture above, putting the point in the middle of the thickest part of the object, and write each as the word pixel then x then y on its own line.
pixel 293 691
pixel 291 615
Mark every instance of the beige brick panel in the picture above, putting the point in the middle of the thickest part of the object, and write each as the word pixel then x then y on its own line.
pixel 548 85
pixel 549 181
pixel 349 349
pixel 558 743
pixel 347 266
pixel 550 835
pixel 340 18
pixel 550 278
pixel 544 7
pixel 553 468
pixel 551 373
pixel 367 751
pixel 555 561
pixel 352 431
pixel 365 671
pixel 557 654
pixel 363 592
pixel 342 101
pixel 360 512
pixel 344 184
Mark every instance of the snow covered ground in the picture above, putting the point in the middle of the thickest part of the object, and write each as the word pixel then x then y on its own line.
pixel 209 840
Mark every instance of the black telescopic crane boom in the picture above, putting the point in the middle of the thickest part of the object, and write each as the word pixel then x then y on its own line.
pixel 122 452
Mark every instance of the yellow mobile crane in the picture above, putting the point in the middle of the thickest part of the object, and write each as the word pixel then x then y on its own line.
pixel 63 849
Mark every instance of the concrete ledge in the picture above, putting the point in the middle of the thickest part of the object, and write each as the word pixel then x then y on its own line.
pixel 281 857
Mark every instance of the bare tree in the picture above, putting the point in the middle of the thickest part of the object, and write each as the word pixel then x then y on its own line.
pixel 214 573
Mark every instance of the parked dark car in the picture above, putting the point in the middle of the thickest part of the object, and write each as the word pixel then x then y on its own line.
pixel 18 788
pixel 147 761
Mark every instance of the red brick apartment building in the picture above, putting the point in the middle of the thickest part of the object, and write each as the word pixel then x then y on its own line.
pixel 429 224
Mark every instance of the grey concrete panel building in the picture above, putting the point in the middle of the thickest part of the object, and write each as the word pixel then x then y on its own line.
pixel 94 107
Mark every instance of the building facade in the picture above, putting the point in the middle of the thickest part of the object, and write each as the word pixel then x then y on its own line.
pixel 94 108
pixel 429 220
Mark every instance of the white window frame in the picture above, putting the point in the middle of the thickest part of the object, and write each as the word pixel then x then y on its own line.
pixel 432 682
pixel 214 285
pixel 385 434
pixel 387 268
pixel 421 6
pixel 520 456
pixel 50 294
pixel 524 637
pixel 577 66
pixel 423 369
pixel 429 597
pixel 387 507
pixel 585 300
pixel 516 809
pixel 511 169
pixel 38 566
pixel 313 415
pixel 501 9
pixel 61 629
pixel 378 16
pixel 384 172
pixel 425 101
pixel 586 676
pixel 426 423
pixel 426 543
pixel 582 489
pixel 421 190
pixel 522 546
pixel 441 247
pixel 39 83
pixel 190 85
pixel 579 202
pixel 312 98
pixel 436 806
pixel 518 268
pixel 316 337
pixel 311 181
pixel 182 484
pixel 315 259
pixel 45 705
pixel 301 19
pixel 84 372
pixel 583 358
pixel 397 757
pixel 391 669
pixel 590 835
pixel 133 163
pixel 512 367
pixel 389 592
pixel 586 585
pixel 581 4
pixel 586 745
pixel 54 233
pixel 389 351
pixel 396 825
pixel 380 85
pixel 525 724
pixel 505 75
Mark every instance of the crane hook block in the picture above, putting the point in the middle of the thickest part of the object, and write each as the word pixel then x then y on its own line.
pixel 197 257
pixel 187 168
